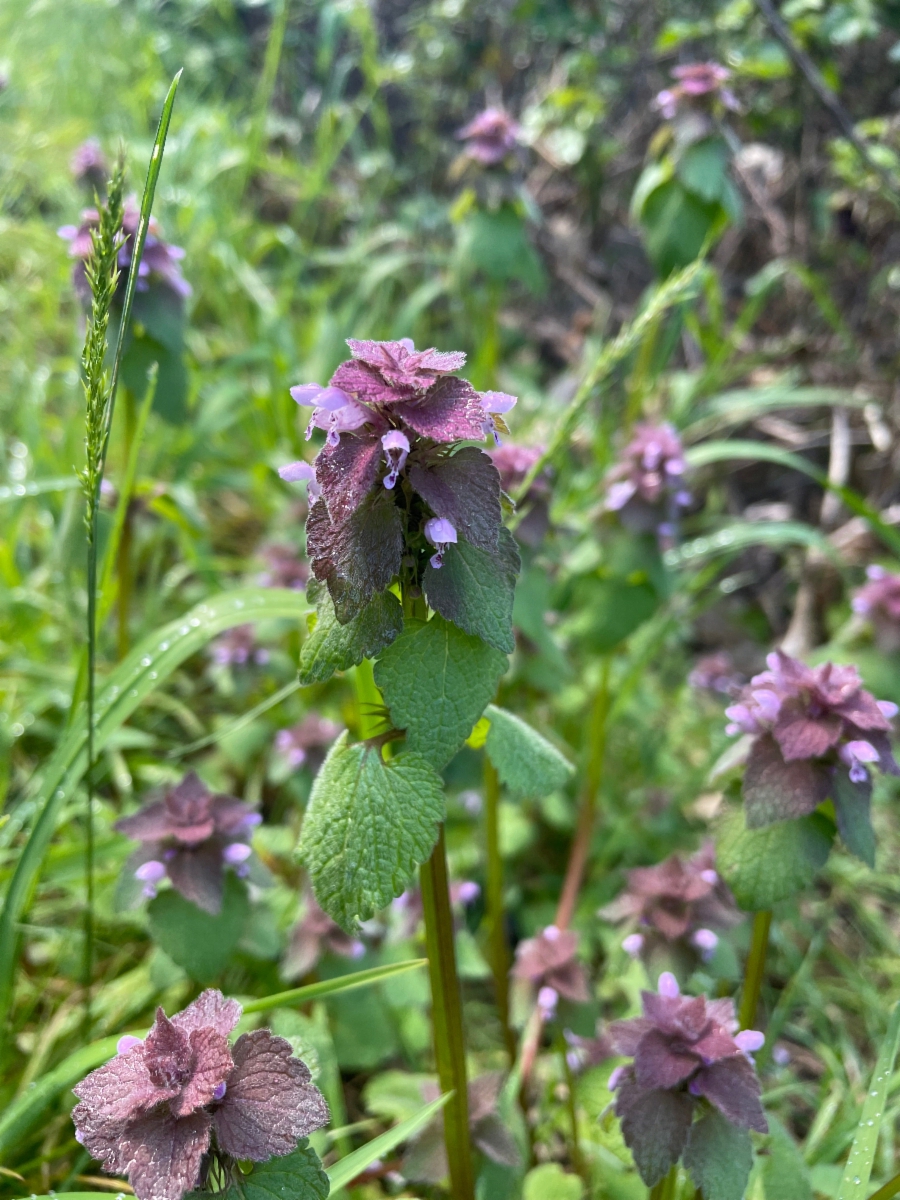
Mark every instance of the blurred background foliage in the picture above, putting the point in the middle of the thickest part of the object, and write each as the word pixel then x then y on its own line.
pixel 315 181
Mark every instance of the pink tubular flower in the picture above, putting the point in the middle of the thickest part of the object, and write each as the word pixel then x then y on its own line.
pixel 333 410
pixel 312 733
pixel 440 534
pixel 696 82
pixel 879 601
pixel 159 264
pixel 815 731
pixel 161 1104
pixel 396 451
pixel 190 835
pixel 549 960
pixel 646 487
pixel 715 673
pixel 494 405
pixel 685 1049
pixel 302 472
pixel 490 136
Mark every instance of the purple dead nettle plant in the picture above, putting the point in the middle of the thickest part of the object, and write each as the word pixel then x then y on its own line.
pixel 646 487
pixel 548 961
pixel 716 673
pixel 238 648
pixel 878 600
pixel 315 935
pixel 514 462
pixel 169 1107
pixel 677 902
pixel 687 1058
pixel 284 568
pixel 190 836
pixel 698 86
pixel 89 166
pixel 491 136
pixel 816 735
pixel 425 1159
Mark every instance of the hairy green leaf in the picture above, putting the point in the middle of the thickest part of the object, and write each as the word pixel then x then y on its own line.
pixel 853 811
pixel 436 681
pixel 719 1157
pixel 526 762
pixel 199 941
pixel 334 647
pixel 298 1175
pixel 763 866
pixel 475 590
pixel 369 824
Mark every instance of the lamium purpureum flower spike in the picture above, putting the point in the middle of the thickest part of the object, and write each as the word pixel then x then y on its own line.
pixel 879 601
pixel 816 733
pixel 549 962
pixel 697 84
pixel 190 836
pixel 687 1053
pixel 646 486
pixel 490 136
pixel 165 1103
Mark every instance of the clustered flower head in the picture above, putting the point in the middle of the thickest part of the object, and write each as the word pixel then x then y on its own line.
pixel 815 729
pixel 646 486
pixel 677 901
pixel 89 166
pixel 167 1105
pixel 490 136
pixel 159 263
pixel 697 83
pixel 190 836
pixel 390 478
pixel 879 600
pixel 313 936
pixel 715 673
pixel 284 567
pixel 237 648
pixel 425 1159
pixel 514 462
pixel 312 733
pixel 548 961
pixel 686 1053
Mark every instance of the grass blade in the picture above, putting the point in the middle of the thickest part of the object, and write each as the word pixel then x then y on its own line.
pixel 330 987
pixel 144 670
pixel 855 1183
pixel 347 1169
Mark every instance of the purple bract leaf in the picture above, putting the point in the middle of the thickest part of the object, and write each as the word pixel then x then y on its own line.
pixel 778 791
pixel 401 365
pixel 731 1085
pixel 449 412
pixel 655 1125
pixel 161 1154
pixel 465 489
pixel 359 557
pixel 346 474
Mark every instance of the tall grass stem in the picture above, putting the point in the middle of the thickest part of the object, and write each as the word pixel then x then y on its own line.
pixel 498 946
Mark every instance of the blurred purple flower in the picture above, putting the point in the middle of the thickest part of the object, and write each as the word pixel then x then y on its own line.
pixel 284 567
pixel 312 937
pixel 879 600
pixel 408 905
pixel 685 1050
pixel 549 960
pixel 514 462
pixel 190 835
pixel 646 486
pixel 312 733
pixel 715 673
pixel 696 80
pixel 425 1159
pixel 237 648
pixel 88 165
pixel 490 136
pixel 587 1052
pixel 159 264
pixel 161 1104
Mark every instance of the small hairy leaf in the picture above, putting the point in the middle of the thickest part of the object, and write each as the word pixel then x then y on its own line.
pixel 334 647
pixel 369 824
pixel 853 810
pixel 198 941
pixel 475 590
pixel 719 1157
pixel 357 557
pixel 526 762
pixel 436 681
pixel 655 1126
pixel 775 790
pixel 763 866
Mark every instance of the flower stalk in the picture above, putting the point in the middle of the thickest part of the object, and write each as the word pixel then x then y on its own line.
pixel 499 950
pixel 755 969
pixel 667 1188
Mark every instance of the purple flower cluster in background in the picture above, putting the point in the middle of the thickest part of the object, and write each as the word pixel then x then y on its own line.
pixel 312 733
pixel 549 962
pixel 159 264
pixel 391 415
pixel 696 83
pixel 685 1050
pixel 716 673
pixel 490 136
pixel 238 648
pixel 88 165
pixel 646 486
pixel 676 901
pixel 284 567
pixel 514 462
pixel 190 836
pixel 879 600
pixel 156 1110
pixel 313 936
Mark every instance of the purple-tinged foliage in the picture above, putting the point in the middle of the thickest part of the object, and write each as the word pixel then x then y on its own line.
pixel 879 601
pixel 686 1051
pixel 313 936
pixel 284 567
pixel 585 1052
pixel 389 476
pixel 816 732
pixel 549 962
pixel 677 901
pixel 237 648
pixel 158 267
pixel 646 486
pixel 514 463
pixel 312 733
pixel 698 83
pixel 490 136
pixel 425 1160
pixel 155 1110
pixel 190 836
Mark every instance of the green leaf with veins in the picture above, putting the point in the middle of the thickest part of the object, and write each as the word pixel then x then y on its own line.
pixel 526 762
pixel 763 866
pixel 475 590
pixel 436 681
pixel 369 824
pixel 298 1175
pixel 719 1157
pixel 334 647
